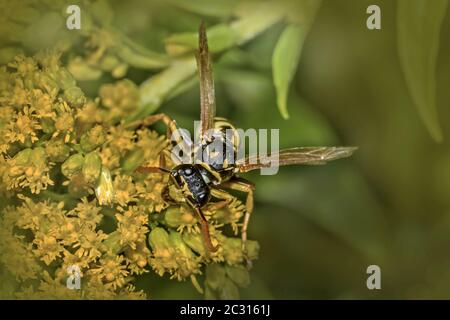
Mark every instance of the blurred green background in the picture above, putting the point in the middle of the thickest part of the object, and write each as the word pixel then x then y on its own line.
pixel 319 227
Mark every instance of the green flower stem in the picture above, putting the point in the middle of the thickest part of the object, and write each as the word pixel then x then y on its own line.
pixel 69 202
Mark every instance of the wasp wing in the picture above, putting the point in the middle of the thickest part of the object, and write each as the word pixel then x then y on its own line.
pixel 305 156
pixel 207 98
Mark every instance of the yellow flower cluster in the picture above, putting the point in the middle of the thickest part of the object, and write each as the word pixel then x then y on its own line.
pixel 71 197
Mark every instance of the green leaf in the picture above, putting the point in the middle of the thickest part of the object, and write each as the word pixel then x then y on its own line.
pixel 137 55
pixel 220 37
pixel 418 30
pixel 155 90
pixel 300 16
pixel 284 62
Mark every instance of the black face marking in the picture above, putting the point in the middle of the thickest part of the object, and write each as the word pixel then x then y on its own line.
pixel 188 175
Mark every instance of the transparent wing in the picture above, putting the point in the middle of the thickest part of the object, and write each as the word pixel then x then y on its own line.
pixel 305 156
pixel 207 99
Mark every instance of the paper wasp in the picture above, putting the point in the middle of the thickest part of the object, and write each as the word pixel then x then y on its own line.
pixel 199 182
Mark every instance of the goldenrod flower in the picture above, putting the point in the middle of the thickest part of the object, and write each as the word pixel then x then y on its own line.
pixel 125 190
pixel 48 248
pixel 230 214
pixel 88 212
pixel 93 138
pixel 121 96
pixel 24 126
pixel 112 271
pixel 16 253
pixel 89 243
pixel 29 168
pixel 138 258
pixel 88 208
pixel 57 150
pixel 132 226
pixel 120 139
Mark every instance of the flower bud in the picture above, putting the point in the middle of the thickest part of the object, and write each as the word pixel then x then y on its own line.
pixel 180 246
pixel 72 165
pixel 109 62
pixel 64 122
pixel 64 79
pixel 23 157
pixel 215 276
pixel 177 216
pixel 229 291
pixel 45 82
pixel 39 157
pixel 48 125
pixel 92 167
pixel 120 71
pixel 123 95
pixel 195 242
pixel 239 274
pixel 172 217
pixel 232 250
pixel 57 150
pixel 93 138
pixel 74 96
pixel 158 239
pixel 78 187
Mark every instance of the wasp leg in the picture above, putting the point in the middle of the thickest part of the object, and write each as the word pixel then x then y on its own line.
pixel 148 121
pixel 167 198
pixel 243 185
pixel 205 229
pixel 173 134
pixel 160 169
pixel 217 205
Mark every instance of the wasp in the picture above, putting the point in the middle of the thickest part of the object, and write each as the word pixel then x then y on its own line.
pixel 201 181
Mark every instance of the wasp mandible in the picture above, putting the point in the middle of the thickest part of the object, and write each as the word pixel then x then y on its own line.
pixel 201 181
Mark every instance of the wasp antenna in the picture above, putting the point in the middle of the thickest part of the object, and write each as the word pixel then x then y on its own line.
pixel 164 170
pixel 207 99
pixel 151 170
pixel 202 39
